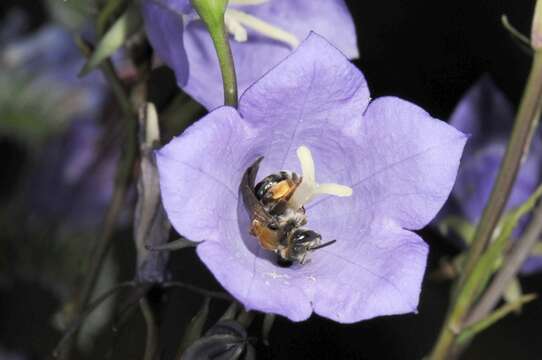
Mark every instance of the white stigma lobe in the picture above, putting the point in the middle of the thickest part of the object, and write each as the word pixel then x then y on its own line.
pixel 309 188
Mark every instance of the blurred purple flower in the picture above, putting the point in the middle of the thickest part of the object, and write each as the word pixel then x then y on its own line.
pixel 400 162
pixel 50 59
pixel 486 114
pixel 184 44
pixel 74 181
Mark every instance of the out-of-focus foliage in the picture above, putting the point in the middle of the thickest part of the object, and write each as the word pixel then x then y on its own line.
pixel 72 14
pixel 40 92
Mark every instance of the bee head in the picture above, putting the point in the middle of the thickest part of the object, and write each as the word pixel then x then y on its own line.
pixel 302 241
pixel 305 238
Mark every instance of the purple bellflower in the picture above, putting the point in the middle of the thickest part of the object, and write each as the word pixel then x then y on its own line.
pixel 73 179
pixel 398 161
pixel 263 33
pixel 485 113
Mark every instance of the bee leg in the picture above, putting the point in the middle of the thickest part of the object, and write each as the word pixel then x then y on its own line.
pixel 304 259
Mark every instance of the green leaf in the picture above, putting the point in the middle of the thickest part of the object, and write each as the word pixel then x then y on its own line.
pixel 459 226
pixel 513 293
pixel 30 112
pixel 230 312
pixel 194 329
pixel 125 26
pixel 72 14
pixel 267 326
pixel 173 245
pixel 215 347
pixel 469 332
pixel 245 318
pixel 491 259
pixel 225 340
pixel 521 40
pixel 486 265
pixel 511 218
pixel 152 329
pixel 537 251
pixel 110 7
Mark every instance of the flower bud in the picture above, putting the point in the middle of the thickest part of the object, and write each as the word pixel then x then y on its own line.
pixel 211 11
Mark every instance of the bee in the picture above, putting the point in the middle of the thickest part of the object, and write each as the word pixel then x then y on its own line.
pixel 277 226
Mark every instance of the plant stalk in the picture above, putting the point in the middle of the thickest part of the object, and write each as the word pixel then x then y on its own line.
pixel 518 146
pixel 212 13
pixel 520 251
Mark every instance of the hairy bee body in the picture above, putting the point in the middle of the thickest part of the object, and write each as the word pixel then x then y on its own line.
pixel 277 226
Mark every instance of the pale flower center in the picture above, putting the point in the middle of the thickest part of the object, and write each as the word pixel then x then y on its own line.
pixel 309 188
pixel 237 22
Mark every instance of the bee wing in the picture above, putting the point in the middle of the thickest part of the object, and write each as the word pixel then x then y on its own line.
pixel 252 204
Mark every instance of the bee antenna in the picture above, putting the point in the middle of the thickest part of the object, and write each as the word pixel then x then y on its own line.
pixel 323 245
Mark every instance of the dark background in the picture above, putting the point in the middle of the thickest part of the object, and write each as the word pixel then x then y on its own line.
pixel 428 52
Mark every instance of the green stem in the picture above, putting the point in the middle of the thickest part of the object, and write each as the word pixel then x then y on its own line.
pixel 225 58
pixel 122 176
pixel 108 70
pixel 77 322
pixel 471 330
pixel 246 318
pixel 212 14
pixel 197 290
pixel 122 179
pixel 525 123
pixel 512 264
pixel 151 343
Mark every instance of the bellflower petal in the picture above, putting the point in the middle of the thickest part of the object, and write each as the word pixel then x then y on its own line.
pixel 187 158
pixel 400 162
pixel 252 58
pixel 393 251
pixel 488 116
pixel 484 113
pixel 165 27
pixel 411 180
pixel 477 176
